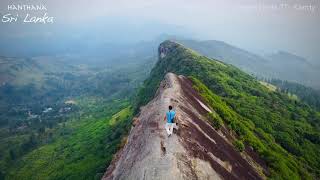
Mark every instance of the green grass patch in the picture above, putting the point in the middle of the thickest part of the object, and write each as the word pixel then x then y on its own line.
pixel 238 144
pixel 82 151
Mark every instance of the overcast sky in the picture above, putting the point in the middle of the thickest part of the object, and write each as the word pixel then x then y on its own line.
pixel 256 25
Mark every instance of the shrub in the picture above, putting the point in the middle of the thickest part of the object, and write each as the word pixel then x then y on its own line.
pixel 215 120
pixel 238 144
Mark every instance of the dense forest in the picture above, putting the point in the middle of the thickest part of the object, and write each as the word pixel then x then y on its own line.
pixel 305 94
pixel 69 113
pixel 283 131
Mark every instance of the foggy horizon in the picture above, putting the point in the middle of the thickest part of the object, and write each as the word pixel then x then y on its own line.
pixel 159 89
pixel 262 27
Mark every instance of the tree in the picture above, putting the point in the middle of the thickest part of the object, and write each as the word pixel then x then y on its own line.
pixel 2 175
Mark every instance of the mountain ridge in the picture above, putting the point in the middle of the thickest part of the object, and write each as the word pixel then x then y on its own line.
pixel 285 66
pixel 262 120
pixel 196 151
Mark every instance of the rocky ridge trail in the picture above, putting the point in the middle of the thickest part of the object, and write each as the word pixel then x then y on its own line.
pixel 195 151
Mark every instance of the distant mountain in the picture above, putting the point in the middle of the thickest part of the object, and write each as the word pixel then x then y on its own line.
pixel 285 57
pixel 281 65
pixel 227 53
pixel 24 71
pixel 263 124
pixel 290 67
pixel 46 80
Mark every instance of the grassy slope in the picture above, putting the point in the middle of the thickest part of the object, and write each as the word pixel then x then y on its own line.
pixel 50 81
pixel 83 151
pixel 283 131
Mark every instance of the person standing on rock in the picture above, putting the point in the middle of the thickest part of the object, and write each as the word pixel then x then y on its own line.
pixel 170 116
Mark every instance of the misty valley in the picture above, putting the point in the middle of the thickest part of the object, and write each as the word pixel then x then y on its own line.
pixel 159 90
pixel 48 101
pixel 66 116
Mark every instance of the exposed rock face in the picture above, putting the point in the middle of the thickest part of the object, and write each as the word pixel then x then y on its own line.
pixel 195 151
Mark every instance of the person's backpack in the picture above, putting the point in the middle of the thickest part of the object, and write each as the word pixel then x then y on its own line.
pixel 172 116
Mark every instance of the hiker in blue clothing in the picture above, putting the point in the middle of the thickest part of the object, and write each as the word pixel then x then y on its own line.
pixel 170 117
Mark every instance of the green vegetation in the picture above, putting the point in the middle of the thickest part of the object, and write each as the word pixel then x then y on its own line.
pixel 82 149
pixel 281 65
pixel 303 93
pixel 284 166
pixel 56 118
pixel 238 144
pixel 78 140
pixel 269 86
pixel 87 151
pixel 215 120
pixel 283 131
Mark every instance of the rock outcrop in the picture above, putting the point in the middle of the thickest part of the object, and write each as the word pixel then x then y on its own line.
pixel 195 151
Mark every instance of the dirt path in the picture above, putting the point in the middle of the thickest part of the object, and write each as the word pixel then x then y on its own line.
pixel 196 151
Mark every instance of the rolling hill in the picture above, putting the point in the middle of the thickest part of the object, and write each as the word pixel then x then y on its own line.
pixel 50 104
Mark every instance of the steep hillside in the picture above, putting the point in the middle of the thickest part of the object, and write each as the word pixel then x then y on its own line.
pixel 281 65
pixel 50 105
pixel 227 53
pixel 284 132
pixel 80 149
pixel 198 151
pixel 305 94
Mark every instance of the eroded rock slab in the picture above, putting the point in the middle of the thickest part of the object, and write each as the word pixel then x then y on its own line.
pixel 195 151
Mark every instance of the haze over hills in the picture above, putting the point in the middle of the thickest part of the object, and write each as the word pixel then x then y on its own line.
pixel 84 86
pixel 51 104
pixel 71 95
pixel 290 67
pixel 280 65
